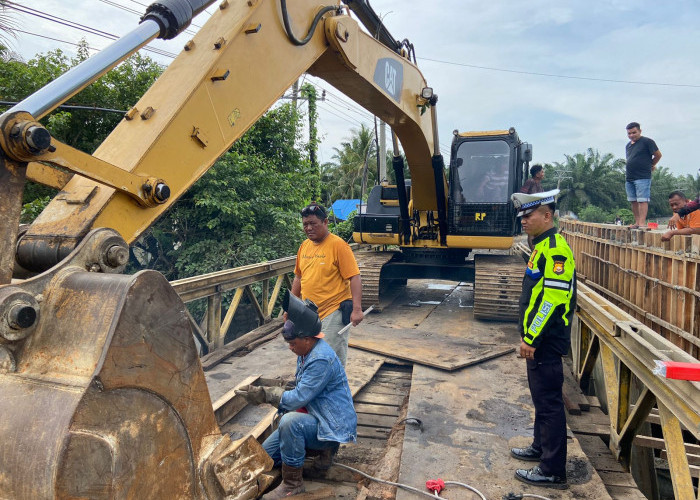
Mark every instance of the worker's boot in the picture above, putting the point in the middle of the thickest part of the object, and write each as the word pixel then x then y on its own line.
pixel 292 484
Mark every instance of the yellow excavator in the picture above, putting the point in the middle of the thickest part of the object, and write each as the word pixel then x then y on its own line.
pixel 473 213
pixel 103 392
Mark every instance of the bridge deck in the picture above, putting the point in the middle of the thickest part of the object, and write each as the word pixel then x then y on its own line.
pixel 470 416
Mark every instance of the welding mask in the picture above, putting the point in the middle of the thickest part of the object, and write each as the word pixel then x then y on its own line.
pixel 302 318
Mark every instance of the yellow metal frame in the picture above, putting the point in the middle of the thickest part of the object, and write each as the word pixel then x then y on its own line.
pixel 627 348
pixel 484 133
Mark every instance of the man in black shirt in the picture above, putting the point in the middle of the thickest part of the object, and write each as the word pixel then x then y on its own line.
pixel 642 157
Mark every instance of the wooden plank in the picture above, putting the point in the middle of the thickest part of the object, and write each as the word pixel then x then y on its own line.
pixel 572 391
pixel 360 368
pixel 589 428
pixel 372 432
pixel 611 478
pixel 371 420
pixel 391 411
pixel 212 359
pixel 599 454
pixel 381 399
pixel 430 349
pixel 593 401
pixel 625 492
pixel 692 459
pixel 571 407
pixel 228 405
pixel 659 444
pixel 319 494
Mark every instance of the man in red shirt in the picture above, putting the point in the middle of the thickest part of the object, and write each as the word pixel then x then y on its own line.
pixel 688 224
pixel 534 183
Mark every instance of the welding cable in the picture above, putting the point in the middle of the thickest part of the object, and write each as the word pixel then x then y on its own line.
pixel 471 488
pixel 520 496
pixel 398 485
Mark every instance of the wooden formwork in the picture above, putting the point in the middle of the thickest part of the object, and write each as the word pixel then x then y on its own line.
pixel 657 282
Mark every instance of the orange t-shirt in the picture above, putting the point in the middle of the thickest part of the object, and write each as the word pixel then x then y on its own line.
pixel 325 270
pixel 691 220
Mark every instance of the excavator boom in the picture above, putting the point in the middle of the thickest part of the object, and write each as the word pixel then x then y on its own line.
pixel 105 395
pixel 229 74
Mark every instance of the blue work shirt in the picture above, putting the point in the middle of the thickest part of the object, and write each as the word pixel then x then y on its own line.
pixel 322 388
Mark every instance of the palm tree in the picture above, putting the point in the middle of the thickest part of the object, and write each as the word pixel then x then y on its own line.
pixel 592 179
pixel 349 165
pixel 7 25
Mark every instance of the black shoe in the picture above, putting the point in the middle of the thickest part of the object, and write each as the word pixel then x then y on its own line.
pixel 536 477
pixel 528 454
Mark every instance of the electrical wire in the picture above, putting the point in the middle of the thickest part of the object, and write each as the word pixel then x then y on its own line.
pixel 554 75
pixel 54 39
pixel 398 485
pixel 348 105
pixel 134 11
pixel 335 107
pixel 470 488
pixel 75 107
pixel 146 5
pixel 81 27
pixel 348 119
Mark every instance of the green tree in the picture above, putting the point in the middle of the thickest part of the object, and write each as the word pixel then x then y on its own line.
pixel 7 27
pixel 595 180
pixel 343 177
pixel 119 90
pixel 662 183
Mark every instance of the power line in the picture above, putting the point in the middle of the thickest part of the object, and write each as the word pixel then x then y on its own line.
pixel 553 75
pixel 133 11
pixel 146 5
pixel 358 110
pixel 81 27
pixel 54 39
pixel 346 118
pixel 75 107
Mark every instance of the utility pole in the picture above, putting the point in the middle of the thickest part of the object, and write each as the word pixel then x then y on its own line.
pixel 561 175
pixel 295 93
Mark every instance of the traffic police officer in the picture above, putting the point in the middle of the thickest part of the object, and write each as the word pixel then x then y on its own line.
pixel 547 304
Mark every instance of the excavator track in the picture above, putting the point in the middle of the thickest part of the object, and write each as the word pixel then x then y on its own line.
pixel 497 286
pixel 371 264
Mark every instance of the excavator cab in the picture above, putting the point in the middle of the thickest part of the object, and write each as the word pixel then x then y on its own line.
pixel 485 169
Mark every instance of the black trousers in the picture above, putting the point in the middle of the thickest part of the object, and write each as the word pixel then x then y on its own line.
pixel 546 379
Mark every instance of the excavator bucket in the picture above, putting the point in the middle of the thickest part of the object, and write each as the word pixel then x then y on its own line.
pixel 105 396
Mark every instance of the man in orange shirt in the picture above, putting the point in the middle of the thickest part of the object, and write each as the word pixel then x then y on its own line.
pixel 688 224
pixel 326 272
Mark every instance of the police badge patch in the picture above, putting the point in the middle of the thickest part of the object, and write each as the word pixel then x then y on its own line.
pixel 558 266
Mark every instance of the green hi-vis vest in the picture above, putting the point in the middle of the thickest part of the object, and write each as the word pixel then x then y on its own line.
pixel 549 294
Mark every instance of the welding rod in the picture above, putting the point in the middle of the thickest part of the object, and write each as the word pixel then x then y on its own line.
pixel 347 327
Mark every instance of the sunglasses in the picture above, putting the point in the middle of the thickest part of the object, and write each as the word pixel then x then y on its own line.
pixel 314 210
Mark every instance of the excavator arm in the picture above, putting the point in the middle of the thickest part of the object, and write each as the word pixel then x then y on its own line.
pixel 227 76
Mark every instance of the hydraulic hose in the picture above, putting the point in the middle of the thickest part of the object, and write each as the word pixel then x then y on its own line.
pixel 312 28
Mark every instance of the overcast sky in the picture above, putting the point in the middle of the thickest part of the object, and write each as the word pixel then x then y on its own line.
pixel 553 70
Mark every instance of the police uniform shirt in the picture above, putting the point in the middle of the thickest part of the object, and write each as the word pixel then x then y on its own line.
pixel 548 298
